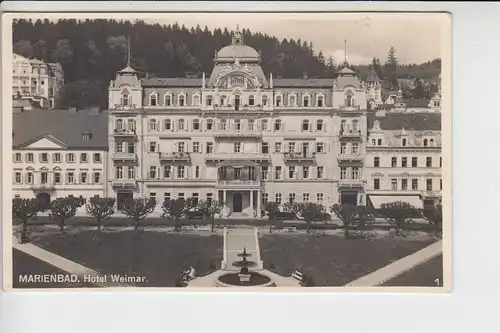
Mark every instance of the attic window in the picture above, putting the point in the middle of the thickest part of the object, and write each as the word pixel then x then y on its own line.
pixel 87 136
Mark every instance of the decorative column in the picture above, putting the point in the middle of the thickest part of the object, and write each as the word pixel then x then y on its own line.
pixel 224 197
pixel 259 200
pixel 251 201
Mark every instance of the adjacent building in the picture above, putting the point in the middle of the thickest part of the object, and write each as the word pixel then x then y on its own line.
pixel 37 81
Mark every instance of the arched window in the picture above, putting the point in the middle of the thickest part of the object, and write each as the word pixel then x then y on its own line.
pixel 374 142
pixel 119 124
pixel 168 124
pixel 425 143
pixel 349 99
pixel 182 99
pixel 321 101
pixel 292 100
pixel 168 99
pixel 152 125
pixel 278 126
pixel 181 125
pixel 305 101
pixel 125 98
pixel 319 125
pixel 153 99
pixel 196 124
pixel 305 125
pixel 431 142
pixel 210 124
pixel 223 124
pixel 279 100
pixel 237 101
pixel 264 100
pixel 251 100
pixel 403 142
pixel 237 125
pixel 131 125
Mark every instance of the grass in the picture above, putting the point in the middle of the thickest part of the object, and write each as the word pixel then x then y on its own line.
pixel 332 260
pixel 423 275
pixel 158 256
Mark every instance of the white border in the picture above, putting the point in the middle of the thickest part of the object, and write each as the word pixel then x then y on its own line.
pixel 475 299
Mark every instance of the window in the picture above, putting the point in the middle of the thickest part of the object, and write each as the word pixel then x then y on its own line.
pixel 277 172
pixel 403 142
pixel 265 100
pixel 414 162
pixel 223 124
pixel 131 148
pixel 44 157
pixel 97 158
pixel 343 173
pixel 305 101
pixel 250 125
pixel 83 178
pixel 237 147
pixel 319 198
pixel 440 162
pixel 429 184
pixel 196 100
pixel 343 125
pixel 152 147
pixel 195 198
pixel 291 198
pixel 277 197
pixel 71 177
pixel 29 178
pixel 166 196
pixel 196 147
pixel 197 172
pixel 431 142
pixel 265 173
pixel 237 125
pixel 180 147
pixel 305 172
pixel 355 148
pixel 425 143
pixel 343 148
pixel 87 136
pixel 181 172
pixel 210 197
pixel 152 172
pixel 376 161
pixel 152 195
pixel 277 147
pixel 291 147
pixel 428 162
pixel 292 100
pixel 320 147
pixel 404 162
pixel 210 100
pixel 305 197
pixel 394 184
pixel 153 100
pixel 210 124
pixel 404 184
pixel 131 172
pixel 279 100
pixel 376 184
pixel 319 125
pixel 349 99
pixel 320 101
pixel 379 142
pixel 168 124
pixel 17 179
pixel 97 177
pixel 305 125
pixel 277 125
pixel 251 100
pixel 168 100
pixel 131 125
pixel 441 184
pixel 125 98
pixel 354 173
pixel 83 158
pixel 319 172
pixel 305 147
pixel 265 148
pixel 291 172
pixel 394 162
pixel 263 124
pixel 414 184
pixel 119 147
pixel 355 125
pixel 180 195
pixel 182 100
pixel 196 124
pixel 17 157
pixel 180 125
pixel 167 172
pixel 210 147
pixel 152 125
pixel 265 198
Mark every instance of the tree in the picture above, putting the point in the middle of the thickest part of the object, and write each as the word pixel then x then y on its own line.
pixel 65 208
pixel 391 67
pixel 176 209
pixel 434 215
pixel 137 209
pixel 272 209
pixel 353 217
pixel 398 214
pixel 100 209
pixel 24 48
pixel 23 210
pixel 211 208
pixel 309 211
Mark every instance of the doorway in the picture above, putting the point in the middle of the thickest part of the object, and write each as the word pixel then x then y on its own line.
pixel 237 202
pixel 349 198
pixel 122 197
pixel 44 200
pixel 236 102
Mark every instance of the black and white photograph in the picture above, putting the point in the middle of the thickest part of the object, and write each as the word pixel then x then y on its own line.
pixel 297 151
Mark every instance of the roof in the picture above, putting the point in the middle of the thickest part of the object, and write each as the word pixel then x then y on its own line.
pixel 347 70
pixel 243 52
pixel 372 76
pixel 128 69
pixel 63 125
pixel 173 82
pixel 410 121
pixel 318 83
pixel 417 103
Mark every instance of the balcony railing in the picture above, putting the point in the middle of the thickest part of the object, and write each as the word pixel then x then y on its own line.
pixel 350 183
pixel 43 187
pixel 431 193
pixel 124 183
pixel 238 133
pixel 120 107
pixel 304 156
pixel 176 156
pixel 352 108
pixel 120 156
pixel 124 132
pixel 237 157
pixel 350 133
pixel 350 157
pixel 238 183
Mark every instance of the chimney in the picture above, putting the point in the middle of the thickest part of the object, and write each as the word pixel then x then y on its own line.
pixel 304 76
pixel 203 80
pixel 271 83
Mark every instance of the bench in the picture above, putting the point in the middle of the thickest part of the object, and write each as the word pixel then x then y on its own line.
pixel 289 229
pixel 298 276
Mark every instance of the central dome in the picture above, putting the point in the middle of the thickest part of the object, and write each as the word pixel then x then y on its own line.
pixel 243 52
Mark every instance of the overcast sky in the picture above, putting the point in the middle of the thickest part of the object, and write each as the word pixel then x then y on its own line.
pixel 416 37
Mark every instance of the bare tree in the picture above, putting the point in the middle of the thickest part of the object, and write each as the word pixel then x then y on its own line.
pixel 137 209
pixel 100 209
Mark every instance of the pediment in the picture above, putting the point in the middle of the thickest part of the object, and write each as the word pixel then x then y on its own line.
pixel 46 141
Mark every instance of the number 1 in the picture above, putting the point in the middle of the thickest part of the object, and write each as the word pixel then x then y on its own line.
pixel 437 282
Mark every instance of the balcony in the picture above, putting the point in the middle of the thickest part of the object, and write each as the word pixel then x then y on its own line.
pixel 431 194
pixel 234 133
pixel 350 158
pixel 349 109
pixel 124 133
pixel 356 134
pixel 177 156
pixel 123 108
pixel 124 157
pixel 238 184
pixel 47 187
pixel 350 183
pixel 299 157
pixel 217 157
pixel 124 183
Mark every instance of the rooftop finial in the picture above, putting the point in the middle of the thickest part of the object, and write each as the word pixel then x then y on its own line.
pixel 128 55
pixel 345 53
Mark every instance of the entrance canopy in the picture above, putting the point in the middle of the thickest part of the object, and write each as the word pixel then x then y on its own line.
pixel 413 200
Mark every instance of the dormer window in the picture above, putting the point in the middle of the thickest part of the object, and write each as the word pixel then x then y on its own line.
pixel 403 142
pixel 196 100
pixel 292 100
pixel 125 100
pixel 305 101
pixel 168 100
pixel 349 99
pixel 86 136
pixel 279 100
pixel 321 101
pixel 153 100
pixel 182 100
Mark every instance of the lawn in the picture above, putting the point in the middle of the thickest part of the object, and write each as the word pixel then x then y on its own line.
pixel 332 260
pixel 158 256
pixel 423 275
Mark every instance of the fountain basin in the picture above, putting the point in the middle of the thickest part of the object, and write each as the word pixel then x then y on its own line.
pixel 257 279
